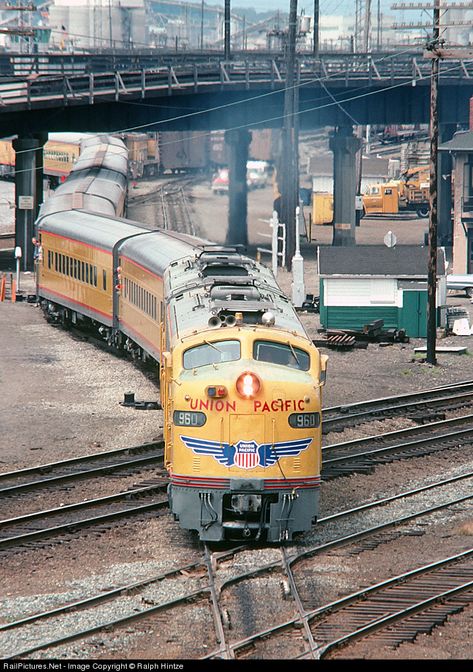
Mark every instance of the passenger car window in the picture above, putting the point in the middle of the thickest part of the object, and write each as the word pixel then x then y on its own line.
pixel 211 353
pixel 280 353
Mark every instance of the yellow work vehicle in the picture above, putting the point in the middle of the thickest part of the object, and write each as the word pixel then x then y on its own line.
pixel 408 194
pixel 381 199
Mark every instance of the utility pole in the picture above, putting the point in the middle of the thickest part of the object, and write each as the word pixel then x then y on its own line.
pixel 287 177
pixel 433 46
pixel 316 28
pixel 202 26
pixel 358 25
pixel 227 30
pixel 378 27
pixel 367 27
pixel 110 37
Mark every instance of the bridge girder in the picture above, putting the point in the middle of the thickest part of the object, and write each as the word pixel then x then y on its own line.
pixel 226 109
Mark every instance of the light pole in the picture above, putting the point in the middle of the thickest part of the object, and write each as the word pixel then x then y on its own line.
pixel 316 28
pixel 227 30
pixel 434 132
pixel 202 26
pixel 288 177
pixel 110 22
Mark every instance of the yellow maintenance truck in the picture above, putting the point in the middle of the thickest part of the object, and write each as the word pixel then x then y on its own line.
pixel 410 193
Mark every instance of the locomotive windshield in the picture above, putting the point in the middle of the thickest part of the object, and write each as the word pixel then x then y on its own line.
pixel 280 353
pixel 211 353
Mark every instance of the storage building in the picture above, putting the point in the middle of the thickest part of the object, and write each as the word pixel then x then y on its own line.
pixel 364 283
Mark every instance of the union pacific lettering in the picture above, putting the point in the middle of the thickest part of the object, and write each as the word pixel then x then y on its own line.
pixel 224 406
pixel 212 405
pixel 279 405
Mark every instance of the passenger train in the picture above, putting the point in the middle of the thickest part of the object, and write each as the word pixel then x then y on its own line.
pixel 240 380
pixel 149 154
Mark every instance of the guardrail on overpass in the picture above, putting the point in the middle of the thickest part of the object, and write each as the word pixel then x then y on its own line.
pixel 48 80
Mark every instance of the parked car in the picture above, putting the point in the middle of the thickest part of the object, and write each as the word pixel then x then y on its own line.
pixel 220 182
pixel 257 173
pixel 462 283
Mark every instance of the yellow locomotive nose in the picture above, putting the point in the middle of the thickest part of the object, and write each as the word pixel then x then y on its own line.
pixel 246 451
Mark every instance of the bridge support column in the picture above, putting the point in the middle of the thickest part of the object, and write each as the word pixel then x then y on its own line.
pixel 239 142
pixel 344 146
pixel 29 194
pixel 444 190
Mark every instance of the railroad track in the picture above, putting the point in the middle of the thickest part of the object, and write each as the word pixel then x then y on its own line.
pixel 409 604
pixel 124 460
pixel 67 520
pixel 205 587
pixel 296 636
pixel 363 455
pixel 81 467
pixel 64 520
pixel 170 205
pixel 357 456
pixel 418 406
pixel 176 214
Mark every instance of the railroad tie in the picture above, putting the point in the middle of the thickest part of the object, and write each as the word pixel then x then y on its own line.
pixel 340 341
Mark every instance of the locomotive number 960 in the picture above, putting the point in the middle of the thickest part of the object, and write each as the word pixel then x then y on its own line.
pixel 303 420
pixel 189 418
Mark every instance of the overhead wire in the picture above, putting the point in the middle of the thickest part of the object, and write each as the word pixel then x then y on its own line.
pixel 267 120
pixel 216 108
pixel 250 99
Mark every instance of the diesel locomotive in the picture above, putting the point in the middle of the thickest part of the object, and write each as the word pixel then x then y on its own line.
pixel 240 380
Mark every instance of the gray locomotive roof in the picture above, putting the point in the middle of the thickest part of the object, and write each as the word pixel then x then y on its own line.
pixel 101 189
pixel 196 297
pixel 88 227
pixel 86 179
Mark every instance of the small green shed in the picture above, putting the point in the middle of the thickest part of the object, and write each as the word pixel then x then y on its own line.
pixel 364 283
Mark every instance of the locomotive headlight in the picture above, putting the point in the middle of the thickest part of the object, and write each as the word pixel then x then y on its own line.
pixel 248 385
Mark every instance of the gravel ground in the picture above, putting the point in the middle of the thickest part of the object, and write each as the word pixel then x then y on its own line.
pixel 61 396
pixel 61 399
